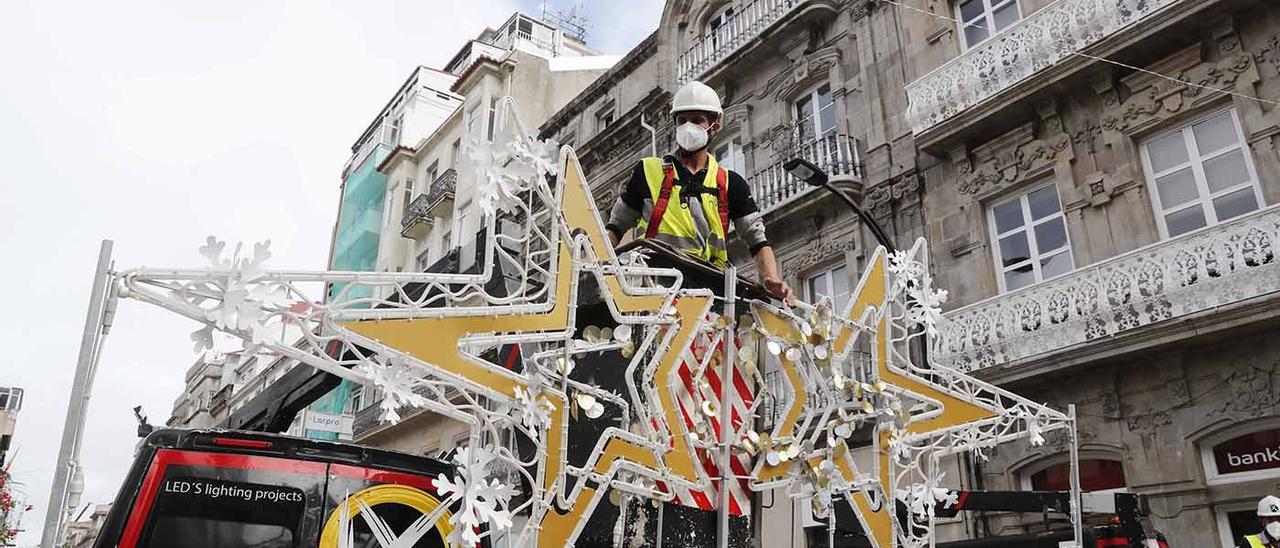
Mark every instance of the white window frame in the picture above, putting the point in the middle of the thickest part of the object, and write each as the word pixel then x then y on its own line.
pixel 1033 245
pixel 355 399
pixel 988 19
pixel 815 112
pixel 493 117
pixel 407 192
pixel 1196 161
pixel 721 19
pixel 394 129
pixel 605 118
pixel 827 273
pixel 732 145
pixel 1211 474
pixel 1220 512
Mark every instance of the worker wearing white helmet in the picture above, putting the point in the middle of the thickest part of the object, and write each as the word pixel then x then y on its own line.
pixel 686 199
pixel 1269 517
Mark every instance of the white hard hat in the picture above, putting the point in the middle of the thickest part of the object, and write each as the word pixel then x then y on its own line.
pixel 697 96
pixel 1269 507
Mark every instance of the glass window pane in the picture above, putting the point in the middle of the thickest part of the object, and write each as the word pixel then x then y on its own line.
pixel 1056 265
pixel 1051 236
pixel 840 281
pixel 803 109
pixel 1008 216
pixel 1185 220
pixel 971 9
pixel 1019 277
pixel 1167 152
pixel 1006 15
pixel 1043 202
pixel 827 120
pixel 1216 133
pixel 818 287
pixel 1177 188
pixel 1226 171
pixel 1014 249
pixel 974 34
pixel 1235 204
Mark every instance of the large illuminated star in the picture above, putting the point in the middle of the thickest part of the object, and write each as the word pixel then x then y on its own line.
pixel 582 246
pixel 943 408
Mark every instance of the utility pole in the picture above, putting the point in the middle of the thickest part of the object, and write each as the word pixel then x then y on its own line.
pixel 727 432
pixel 96 323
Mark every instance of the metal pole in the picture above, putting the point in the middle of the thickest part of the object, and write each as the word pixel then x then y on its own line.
pixel 727 431
pixel 1077 527
pixel 878 231
pixel 78 401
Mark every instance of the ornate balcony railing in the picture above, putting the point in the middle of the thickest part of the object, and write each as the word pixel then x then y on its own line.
pixel 417 217
pixel 734 32
pixel 837 154
pixel 1026 47
pixel 1196 272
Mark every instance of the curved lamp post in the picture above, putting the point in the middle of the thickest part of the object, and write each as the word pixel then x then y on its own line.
pixel 814 176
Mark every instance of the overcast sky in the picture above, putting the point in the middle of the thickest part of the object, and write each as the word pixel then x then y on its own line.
pixel 157 123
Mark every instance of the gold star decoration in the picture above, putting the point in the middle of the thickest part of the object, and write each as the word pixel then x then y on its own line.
pixel 942 408
pixel 437 341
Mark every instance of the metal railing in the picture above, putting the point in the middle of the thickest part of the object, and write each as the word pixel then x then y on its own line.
pixel 837 154
pixel 734 32
pixel 1196 272
pixel 1039 41
pixel 441 190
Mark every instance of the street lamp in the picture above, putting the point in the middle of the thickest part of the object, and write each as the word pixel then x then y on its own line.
pixel 814 176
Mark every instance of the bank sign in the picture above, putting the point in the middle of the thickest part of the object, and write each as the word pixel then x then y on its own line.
pixel 328 422
pixel 1248 453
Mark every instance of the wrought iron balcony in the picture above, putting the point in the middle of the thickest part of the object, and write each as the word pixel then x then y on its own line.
pixel 734 32
pixel 417 218
pixel 1039 41
pixel 1189 274
pixel 837 154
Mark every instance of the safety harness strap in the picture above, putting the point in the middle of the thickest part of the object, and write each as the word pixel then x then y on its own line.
pixel 664 196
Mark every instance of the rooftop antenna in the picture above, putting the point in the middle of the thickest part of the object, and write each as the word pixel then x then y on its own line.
pixel 572 23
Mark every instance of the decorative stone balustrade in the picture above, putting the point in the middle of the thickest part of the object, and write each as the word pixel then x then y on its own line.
pixel 736 31
pixel 1192 273
pixel 1039 41
pixel 837 154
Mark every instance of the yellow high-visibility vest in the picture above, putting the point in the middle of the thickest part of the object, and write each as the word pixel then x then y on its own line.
pixel 678 226
pixel 1255 541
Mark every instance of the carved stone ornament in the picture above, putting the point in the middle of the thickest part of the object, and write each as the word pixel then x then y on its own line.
pixel 802 73
pixel 735 116
pixel 1157 99
pixel 1012 166
pixel 881 198
pixel 817 252
pixel 1270 54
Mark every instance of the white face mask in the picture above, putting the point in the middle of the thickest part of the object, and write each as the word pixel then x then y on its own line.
pixel 1273 530
pixel 691 137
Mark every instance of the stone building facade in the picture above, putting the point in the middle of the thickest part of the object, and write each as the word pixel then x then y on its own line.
pixel 1097 206
pixel 1098 179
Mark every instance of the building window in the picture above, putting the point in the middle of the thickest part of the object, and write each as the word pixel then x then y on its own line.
pixel 832 283
pixel 729 154
pixel 424 259
pixel 1029 234
pixel 493 116
pixel 431 173
pixel 455 152
pixel 982 19
pixel 10 399
pixel 1095 475
pixel 604 119
pixel 393 131
pixel 473 115
pixel 720 27
pixel 355 400
pixel 815 114
pixel 1200 174
pixel 408 196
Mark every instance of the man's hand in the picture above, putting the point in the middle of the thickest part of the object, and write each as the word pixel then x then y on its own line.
pixel 780 289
